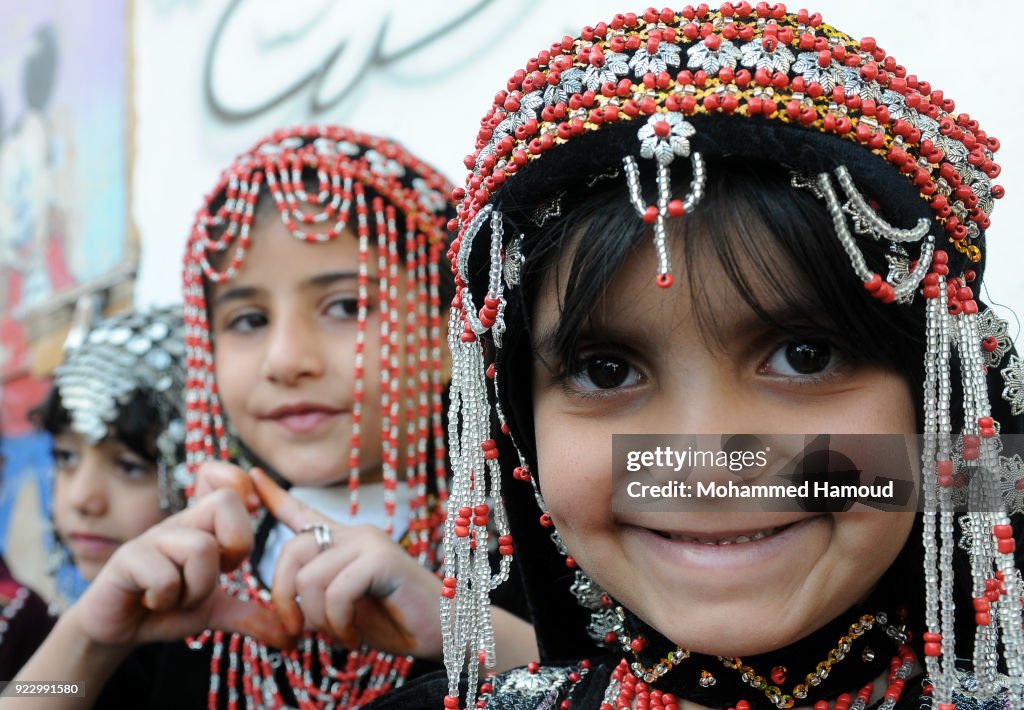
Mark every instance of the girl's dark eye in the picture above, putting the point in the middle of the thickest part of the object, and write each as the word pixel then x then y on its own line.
pixel 604 372
pixel 802 358
pixel 344 308
pixel 64 459
pixel 808 358
pixel 131 468
pixel 247 322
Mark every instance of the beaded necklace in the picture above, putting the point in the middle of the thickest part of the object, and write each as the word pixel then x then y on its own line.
pixel 625 689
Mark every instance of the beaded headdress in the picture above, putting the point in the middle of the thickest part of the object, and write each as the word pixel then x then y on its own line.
pixel 645 90
pixel 329 182
pixel 128 355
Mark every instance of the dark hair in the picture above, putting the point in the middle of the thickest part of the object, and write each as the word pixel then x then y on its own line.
pixel 137 426
pixel 756 224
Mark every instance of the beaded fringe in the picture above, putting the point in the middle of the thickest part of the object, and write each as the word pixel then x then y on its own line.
pixel 951 323
pixel 347 165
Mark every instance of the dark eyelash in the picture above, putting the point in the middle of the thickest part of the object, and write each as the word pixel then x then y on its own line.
pixel 592 395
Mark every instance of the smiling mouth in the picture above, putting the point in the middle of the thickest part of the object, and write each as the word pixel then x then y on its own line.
pixel 735 540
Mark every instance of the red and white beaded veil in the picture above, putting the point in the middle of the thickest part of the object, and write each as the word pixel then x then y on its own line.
pixel 329 182
pixel 646 89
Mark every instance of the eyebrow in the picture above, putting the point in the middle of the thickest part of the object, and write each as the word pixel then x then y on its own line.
pixel 241 293
pixel 545 344
pixel 331 277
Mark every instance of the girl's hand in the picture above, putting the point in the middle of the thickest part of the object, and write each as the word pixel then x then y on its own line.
pixel 362 589
pixel 162 585
pixel 216 475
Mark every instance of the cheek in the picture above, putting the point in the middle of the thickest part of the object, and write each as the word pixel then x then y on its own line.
pixel 235 371
pixel 61 503
pixel 136 508
pixel 872 541
pixel 574 456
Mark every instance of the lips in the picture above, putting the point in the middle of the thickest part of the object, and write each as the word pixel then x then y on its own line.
pixel 303 417
pixel 91 545
pixel 723 540
pixel 756 548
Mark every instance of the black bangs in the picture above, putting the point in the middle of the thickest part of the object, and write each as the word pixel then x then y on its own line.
pixel 774 243
pixel 138 423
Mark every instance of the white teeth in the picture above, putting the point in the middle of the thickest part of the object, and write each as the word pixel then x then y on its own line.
pixel 738 540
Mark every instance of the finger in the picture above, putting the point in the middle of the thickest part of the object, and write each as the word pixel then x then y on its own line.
pixel 232 614
pixel 222 612
pixel 287 509
pixel 196 555
pixel 312 581
pixel 156 579
pixel 295 554
pixel 221 514
pixel 214 475
pixel 354 612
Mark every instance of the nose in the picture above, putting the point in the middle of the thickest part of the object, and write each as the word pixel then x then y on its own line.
pixel 87 487
pixel 294 350
pixel 710 402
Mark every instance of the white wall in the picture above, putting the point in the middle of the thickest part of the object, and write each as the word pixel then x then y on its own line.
pixel 432 98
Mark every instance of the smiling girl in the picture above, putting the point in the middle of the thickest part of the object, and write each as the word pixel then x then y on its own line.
pixel 734 221
pixel 313 290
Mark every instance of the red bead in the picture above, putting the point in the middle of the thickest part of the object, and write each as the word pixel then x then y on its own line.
pixel 638 644
pixel 1002 532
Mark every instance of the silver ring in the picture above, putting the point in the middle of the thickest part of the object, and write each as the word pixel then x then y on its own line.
pixel 321 535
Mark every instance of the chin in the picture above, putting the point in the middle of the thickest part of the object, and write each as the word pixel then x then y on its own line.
pixel 88 571
pixel 312 476
pixel 727 630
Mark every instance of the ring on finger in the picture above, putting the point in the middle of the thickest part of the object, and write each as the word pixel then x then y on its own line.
pixel 321 535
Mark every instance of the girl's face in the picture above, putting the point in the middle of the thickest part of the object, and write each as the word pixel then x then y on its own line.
pixel 104 495
pixel 284 331
pixel 646 367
